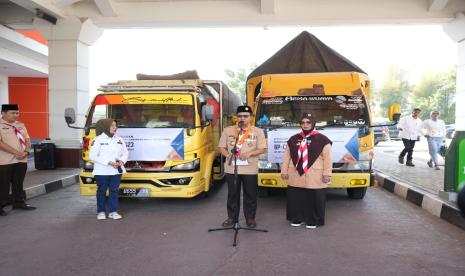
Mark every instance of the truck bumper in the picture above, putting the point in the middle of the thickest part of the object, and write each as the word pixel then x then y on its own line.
pixel 156 184
pixel 339 180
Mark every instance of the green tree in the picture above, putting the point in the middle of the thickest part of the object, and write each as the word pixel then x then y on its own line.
pixel 237 80
pixel 436 91
pixel 395 89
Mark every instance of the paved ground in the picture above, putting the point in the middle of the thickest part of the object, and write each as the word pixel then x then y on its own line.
pixel 420 176
pixel 380 235
pixel 37 177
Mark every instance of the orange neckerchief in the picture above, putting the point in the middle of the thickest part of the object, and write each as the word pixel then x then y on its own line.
pixel 241 138
pixel 243 135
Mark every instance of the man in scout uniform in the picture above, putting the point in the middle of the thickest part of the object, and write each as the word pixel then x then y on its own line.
pixel 14 149
pixel 250 144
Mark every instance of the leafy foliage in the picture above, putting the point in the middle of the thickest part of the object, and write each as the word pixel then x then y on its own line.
pixel 434 91
pixel 237 79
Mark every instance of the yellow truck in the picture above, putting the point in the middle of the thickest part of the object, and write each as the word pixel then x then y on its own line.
pixel 340 103
pixel 306 76
pixel 171 129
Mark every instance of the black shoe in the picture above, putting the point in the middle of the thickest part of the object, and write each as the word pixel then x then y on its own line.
pixel 2 212
pixel 410 164
pixel 228 223
pixel 401 159
pixel 251 223
pixel 24 206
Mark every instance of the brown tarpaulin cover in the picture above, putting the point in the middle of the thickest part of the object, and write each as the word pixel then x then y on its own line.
pixel 305 54
pixel 187 75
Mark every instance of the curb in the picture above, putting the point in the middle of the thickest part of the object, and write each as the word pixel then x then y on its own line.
pixel 427 201
pixel 52 186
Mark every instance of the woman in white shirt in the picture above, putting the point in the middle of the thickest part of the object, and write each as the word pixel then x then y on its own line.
pixel 435 132
pixel 109 154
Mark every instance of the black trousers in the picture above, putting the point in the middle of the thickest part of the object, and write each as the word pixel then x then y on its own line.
pixel 12 174
pixel 408 149
pixel 306 205
pixel 250 190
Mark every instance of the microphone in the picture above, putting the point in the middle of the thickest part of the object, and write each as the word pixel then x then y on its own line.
pixel 120 170
pixel 234 149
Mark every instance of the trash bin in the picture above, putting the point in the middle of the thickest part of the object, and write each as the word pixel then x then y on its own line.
pixel 44 156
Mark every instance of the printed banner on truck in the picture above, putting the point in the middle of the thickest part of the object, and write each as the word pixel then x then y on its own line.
pixel 153 144
pixel 344 148
pixel 143 99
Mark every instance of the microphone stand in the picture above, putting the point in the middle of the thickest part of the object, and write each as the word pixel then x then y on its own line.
pixel 236 227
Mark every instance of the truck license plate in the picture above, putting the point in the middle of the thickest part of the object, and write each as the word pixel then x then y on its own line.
pixel 133 192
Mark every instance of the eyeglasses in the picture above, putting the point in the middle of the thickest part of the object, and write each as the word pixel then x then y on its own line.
pixel 243 116
pixel 305 123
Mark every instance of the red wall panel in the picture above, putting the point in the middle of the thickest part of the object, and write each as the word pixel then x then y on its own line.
pixel 31 94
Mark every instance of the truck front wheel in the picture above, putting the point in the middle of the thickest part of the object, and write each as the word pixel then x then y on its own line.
pixel 356 193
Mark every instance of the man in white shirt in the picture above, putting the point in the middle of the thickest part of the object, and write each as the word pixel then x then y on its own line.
pixel 410 130
pixel 435 132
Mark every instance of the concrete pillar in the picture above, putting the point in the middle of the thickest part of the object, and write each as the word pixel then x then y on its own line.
pixel 456 31
pixel 68 60
pixel 3 89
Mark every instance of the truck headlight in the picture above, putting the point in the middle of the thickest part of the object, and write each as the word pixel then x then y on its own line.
pixel 189 166
pixel 264 164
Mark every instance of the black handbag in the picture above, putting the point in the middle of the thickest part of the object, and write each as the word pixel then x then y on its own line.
pixel 443 150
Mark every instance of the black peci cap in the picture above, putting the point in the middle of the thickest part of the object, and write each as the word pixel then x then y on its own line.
pixel 244 108
pixel 7 107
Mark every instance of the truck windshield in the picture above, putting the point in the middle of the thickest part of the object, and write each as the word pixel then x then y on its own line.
pixel 340 111
pixel 144 115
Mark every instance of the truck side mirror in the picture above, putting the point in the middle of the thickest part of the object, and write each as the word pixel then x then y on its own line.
pixel 208 113
pixel 70 118
pixel 70 115
pixel 394 112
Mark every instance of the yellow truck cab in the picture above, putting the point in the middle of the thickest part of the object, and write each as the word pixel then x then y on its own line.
pixel 171 129
pixel 339 102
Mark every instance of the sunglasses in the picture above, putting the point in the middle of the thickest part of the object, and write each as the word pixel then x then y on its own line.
pixel 243 116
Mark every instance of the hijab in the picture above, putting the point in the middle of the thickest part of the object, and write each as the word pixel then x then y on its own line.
pixel 315 144
pixel 103 126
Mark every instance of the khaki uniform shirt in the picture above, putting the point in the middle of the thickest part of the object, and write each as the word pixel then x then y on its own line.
pixel 8 136
pixel 313 179
pixel 254 140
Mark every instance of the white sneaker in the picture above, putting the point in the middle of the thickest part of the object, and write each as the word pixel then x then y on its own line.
pixel 296 224
pixel 101 216
pixel 114 215
pixel 310 226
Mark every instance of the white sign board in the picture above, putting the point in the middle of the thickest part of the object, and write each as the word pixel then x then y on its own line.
pixel 344 147
pixel 153 144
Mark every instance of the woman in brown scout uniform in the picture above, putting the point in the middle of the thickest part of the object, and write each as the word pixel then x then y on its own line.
pixel 308 175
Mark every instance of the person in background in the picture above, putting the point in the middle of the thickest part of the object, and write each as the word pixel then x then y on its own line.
pixel 133 116
pixel 435 133
pixel 109 154
pixel 410 130
pixel 14 149
pixel 251 143
pixel 307 166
